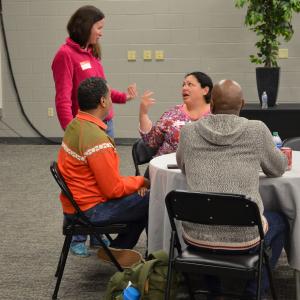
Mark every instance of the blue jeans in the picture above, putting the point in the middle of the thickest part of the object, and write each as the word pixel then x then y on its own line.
pixel 275 238
pixel 132 210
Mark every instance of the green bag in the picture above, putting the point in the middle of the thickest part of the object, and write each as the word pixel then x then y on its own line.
pixel 149 277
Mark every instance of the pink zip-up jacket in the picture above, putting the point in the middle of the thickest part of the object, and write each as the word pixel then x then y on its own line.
pixel 70 66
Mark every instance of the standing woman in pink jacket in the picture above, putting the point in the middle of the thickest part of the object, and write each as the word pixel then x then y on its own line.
pixel 80 58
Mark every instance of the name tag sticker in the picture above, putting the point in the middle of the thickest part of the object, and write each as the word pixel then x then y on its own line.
pixel 85 65
pixel 179 123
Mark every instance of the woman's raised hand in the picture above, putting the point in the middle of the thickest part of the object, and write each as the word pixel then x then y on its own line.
pixel 132 91
pixel 146 102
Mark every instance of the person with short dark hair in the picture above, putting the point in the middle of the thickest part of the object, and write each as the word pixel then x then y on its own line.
pixel 164 135
pixel 80 58
pixel 89 163
pixel 223 153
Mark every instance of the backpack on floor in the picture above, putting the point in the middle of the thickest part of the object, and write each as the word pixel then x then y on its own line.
pixel 149 277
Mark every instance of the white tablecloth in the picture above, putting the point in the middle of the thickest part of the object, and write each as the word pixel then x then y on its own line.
pixel 281 194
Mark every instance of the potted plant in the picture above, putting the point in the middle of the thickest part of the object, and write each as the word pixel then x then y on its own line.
pixel 270 20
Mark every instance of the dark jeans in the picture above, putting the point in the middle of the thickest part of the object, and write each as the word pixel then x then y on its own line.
pixel 132 210
pixel 110 128
pixel 275 238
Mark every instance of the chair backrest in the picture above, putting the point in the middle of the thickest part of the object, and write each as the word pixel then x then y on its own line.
pixel 141 154
pixel 64 188
pixel 213 209
pixel 293 143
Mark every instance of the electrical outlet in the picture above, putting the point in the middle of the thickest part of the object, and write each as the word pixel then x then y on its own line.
pixel 131 55
pixel 147 55
pixel 159 55
pixel 50 112
pixel 283 53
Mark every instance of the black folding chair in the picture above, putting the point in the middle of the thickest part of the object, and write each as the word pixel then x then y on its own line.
pixel 80 225
pixel 141 154
pixel 215 209
pixel 293 143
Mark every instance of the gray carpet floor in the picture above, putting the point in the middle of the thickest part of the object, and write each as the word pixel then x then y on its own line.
pixel 31 237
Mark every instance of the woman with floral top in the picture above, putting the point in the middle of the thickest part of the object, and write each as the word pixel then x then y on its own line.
pixel 164 135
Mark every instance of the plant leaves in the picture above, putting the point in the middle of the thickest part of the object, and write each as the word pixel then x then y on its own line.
pixel 270 20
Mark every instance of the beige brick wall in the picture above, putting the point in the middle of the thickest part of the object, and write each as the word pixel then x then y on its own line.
pixel 194 35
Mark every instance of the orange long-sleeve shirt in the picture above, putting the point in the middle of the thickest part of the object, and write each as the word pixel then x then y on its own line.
pixel 89 163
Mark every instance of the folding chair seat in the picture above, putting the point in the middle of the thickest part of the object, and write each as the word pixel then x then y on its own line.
pixel 193 260
pixel 215 209
pixel 80 226
pixel 141 154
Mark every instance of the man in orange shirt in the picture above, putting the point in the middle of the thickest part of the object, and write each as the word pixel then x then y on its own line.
pixel 89 163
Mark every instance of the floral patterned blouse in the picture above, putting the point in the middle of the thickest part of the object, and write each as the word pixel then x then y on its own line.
pixel 164 135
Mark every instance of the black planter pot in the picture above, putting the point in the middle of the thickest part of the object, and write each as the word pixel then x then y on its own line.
pixel 267 79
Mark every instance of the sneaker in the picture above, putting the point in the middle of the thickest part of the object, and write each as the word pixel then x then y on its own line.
pixel 125 257
pixel 94 243
pixel 79 249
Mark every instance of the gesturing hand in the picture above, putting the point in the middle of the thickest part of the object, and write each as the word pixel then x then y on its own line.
pixel 146 101
pixel 132 91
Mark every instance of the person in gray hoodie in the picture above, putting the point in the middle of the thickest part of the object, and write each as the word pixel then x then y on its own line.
pixel 224 153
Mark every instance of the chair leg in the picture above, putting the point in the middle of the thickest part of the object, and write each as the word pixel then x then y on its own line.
pixel 259 277
pixel 108 237
pixel 170 271
pixel 61 256
pixel 108 252
pixel 170 265
pixel 188 283
pixel 270 275
pixel 62 263
pixel 297 279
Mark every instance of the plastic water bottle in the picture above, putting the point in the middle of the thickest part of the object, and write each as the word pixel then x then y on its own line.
pixel 264 100
pixel 277 140
pixel 131 293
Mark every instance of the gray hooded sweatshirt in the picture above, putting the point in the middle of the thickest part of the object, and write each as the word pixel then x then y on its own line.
pixel 224 154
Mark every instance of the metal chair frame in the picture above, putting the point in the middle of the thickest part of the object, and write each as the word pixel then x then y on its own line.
pixel 215 209
pixel 141 154
pixel 80 225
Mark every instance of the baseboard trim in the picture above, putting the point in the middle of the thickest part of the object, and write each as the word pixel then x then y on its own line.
pixel 55 140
